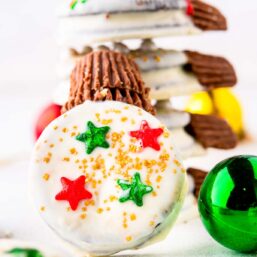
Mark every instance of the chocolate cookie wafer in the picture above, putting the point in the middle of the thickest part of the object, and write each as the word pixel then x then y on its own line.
pixel 207 17
pixel 198 176
pixel 212 131
pixel 107 75
pixel 211 71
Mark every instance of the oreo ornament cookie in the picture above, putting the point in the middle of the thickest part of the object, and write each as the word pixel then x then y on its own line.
pixel 105 177
pixel 228 203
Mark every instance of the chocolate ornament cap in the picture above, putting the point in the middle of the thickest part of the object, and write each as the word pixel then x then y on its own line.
pixel 107 75
pixel 228 203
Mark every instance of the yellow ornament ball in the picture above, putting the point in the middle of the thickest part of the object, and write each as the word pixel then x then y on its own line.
pixel 200 103
pixel 228 107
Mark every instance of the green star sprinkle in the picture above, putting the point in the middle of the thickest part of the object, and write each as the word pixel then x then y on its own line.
pixel 75 2
pixel 20 252
pixel 94 137
pixel 135 191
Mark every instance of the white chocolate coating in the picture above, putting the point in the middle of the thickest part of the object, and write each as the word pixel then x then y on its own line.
pixel 104 225
pixel 185 144
pixel 169 82
pixel 78 30
pixel 161 60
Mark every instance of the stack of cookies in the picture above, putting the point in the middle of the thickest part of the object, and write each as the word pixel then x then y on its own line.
pixel 105 175
pixel 86 26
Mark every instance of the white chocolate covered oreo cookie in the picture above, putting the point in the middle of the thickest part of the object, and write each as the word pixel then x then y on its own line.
pixel 98 21
pixel 105 177
pixel 95 21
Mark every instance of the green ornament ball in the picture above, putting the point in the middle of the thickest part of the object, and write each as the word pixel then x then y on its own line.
pixel 228 203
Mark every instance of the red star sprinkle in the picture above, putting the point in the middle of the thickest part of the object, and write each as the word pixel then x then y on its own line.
pixel 148 136
pixel 73 191
pixel 190 8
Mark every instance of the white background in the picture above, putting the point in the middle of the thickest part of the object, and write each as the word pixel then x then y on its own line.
pixel 28 57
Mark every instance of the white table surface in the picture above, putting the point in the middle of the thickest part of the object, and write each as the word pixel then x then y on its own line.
pixel 27 77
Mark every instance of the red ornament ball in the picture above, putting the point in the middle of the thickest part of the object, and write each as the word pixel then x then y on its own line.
pixel 49 113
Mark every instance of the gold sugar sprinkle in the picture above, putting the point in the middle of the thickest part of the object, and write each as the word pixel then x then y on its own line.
pixel 98 116
pixel 46 159
pixel 154 194
pixel 158 179
pixel 55 127
pixel 64 130
pixel 113 198
pixel 73 151
pixel 42 208
pixel 99 210
pixel 157 58
pixel 46 176
pixel 166 134
pixel 83 216
pixel 145 58
pixel 152 223
pixel 129 238
pixel 73 134
pixel 133 217
pixel 66 159
pixel 124 119
pixel 106 122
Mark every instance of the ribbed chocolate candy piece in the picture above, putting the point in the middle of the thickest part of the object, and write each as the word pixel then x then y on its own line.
pixel 198 176
pixel 107 75
pixel 212 131
pixel 207 17
pixel 211 71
